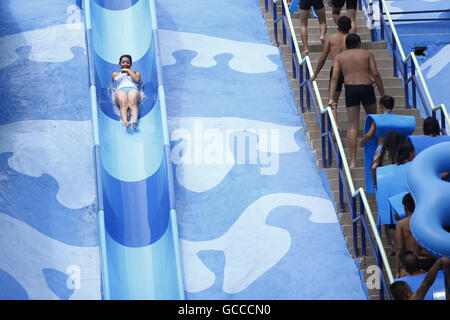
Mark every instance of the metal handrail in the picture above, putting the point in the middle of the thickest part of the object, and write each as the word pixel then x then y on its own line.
pixel 414 64
pixel 343 160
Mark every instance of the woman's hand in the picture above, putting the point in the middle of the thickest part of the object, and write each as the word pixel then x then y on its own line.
pixel 125 70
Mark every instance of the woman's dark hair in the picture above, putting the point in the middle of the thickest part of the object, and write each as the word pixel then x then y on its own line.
pixel 405 151
pixel 344 24
pixel 431 127
pixel 352 41
pixel 391 143
pixel 387 101
pixel 126 56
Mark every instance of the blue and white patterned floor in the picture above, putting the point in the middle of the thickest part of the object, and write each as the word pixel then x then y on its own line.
pixel 48 233
pixel 255 220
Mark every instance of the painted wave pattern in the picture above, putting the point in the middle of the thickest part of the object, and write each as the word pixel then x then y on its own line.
pixel 246 233
pixel 49 245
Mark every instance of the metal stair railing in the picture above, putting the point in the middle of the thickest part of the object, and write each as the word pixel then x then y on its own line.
pixel 401 62
pixel 325 115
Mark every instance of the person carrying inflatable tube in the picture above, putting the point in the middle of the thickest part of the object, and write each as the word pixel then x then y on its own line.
pixel 391 181
pixel 431 219
pixel 426 286
pixel 375 129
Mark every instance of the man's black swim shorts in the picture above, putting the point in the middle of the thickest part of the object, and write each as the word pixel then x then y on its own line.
pixel 351 4
pixel 355 94
pixel 307 4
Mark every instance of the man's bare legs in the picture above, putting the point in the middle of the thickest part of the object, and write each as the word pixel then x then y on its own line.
pixel 133 101
pixel 353 127
pixel 352 133
pixel 322 23
pixel 304 15
pixel 121 100
pixel 351 13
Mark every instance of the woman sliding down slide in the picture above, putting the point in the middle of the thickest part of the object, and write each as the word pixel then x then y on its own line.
pixel 127 91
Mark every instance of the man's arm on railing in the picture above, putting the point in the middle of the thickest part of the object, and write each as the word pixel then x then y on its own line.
pixel 376 75
pixel 322 59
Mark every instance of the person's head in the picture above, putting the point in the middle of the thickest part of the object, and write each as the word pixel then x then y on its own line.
pixel 352 41
pixel 125 61
pixel 410 261
pixel 400 290
pixel 431 127
pixel 344 24
pixel 408 204
pixel 386 103
pixel 391 143
pixel 405 151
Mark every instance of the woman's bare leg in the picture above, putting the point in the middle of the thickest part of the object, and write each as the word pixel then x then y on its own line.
pixel 133 101
pixel 121 100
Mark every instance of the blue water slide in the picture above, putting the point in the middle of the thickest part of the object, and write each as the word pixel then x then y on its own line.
pixel 431 195
pixel 137 220
pixel 384 123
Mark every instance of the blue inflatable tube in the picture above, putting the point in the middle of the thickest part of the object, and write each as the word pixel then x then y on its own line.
pixel 391 181
pixel 137 221
pixel 437 289
pixel 422 142
pixel 431 195
pixel 403 125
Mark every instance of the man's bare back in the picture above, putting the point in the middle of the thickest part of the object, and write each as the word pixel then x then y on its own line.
pixel 406 239
pixel 355 64
pixel 334 44
pixel 337 43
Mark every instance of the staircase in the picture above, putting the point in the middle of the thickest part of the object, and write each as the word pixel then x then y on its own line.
pixel 393 86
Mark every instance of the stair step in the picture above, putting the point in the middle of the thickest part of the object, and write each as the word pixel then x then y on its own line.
pixel 346 219
pixel 343 123
pixel 399 101
pixel 325 72
pixel 314 33
pixel 316 46
pixel 324 93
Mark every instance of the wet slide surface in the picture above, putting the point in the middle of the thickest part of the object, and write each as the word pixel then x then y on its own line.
pixel 48 222
pixel 255 221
